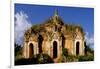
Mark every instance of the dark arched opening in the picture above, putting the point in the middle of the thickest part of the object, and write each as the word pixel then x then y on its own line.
pixel 85 50
pixel 31 50
pixel 63 41
pixel 40 40
pixel 54 49
pixel 77 48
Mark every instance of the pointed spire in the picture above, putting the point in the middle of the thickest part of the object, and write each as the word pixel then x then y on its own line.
pixel 56 12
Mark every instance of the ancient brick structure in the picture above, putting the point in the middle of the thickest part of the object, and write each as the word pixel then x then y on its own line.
pixel 51 36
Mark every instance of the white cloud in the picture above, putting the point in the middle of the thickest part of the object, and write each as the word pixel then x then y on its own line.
pixel 21 24
pixel 89 39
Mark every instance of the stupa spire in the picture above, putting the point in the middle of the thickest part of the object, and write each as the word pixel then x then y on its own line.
pixel 56 12
pixel 55 17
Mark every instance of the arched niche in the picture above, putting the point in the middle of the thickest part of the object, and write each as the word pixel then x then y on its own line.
pixel 40 40
pixel 54 49
pixel 31 50
pixel 77 47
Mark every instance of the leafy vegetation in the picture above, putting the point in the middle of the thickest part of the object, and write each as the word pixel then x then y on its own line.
pixel 86 58
pixel 72 28
pixel 89 56
pixel 18 51
pixel 37 59
pixel 17 48
pixel 36 27
pixel 45 59
pixel 64 52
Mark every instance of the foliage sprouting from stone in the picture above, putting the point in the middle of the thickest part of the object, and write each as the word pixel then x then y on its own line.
pixel 36 59
pixel 43 28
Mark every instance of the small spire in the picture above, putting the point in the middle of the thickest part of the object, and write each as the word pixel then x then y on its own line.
pixel 55 17
pixel 56 12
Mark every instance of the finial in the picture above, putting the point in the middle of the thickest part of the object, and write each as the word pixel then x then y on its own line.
pixel 56 12
pixel 55 17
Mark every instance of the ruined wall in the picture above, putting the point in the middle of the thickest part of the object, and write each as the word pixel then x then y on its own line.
pixel 51 32
pixel 69 46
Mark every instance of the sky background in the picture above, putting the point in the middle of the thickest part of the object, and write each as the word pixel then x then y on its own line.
pixel 28 14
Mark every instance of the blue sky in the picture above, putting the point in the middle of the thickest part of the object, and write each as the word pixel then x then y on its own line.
pixel 70 15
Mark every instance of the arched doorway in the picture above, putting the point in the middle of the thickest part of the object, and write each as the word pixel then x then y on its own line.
pixel 77 48
pixel 63 41
pixel 40 40
pixel 31 50
pixel 54 49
